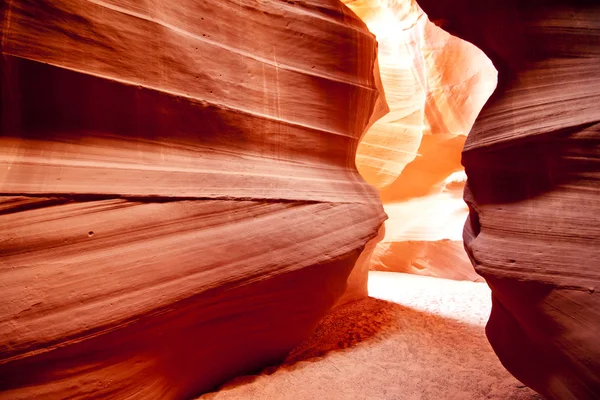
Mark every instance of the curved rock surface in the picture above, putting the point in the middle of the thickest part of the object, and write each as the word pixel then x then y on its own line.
pixel 533 166
pixel 179 199
pixel 435 86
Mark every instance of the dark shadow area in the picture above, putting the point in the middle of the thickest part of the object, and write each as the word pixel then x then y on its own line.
pixel 525 337
pixel 533 166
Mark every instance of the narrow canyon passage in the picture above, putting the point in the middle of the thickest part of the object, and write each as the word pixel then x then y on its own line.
pixel 415 337
pixel 435 84
pixel 299 199
pixel 542 332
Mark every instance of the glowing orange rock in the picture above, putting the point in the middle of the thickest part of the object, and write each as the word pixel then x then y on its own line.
pixel 179 197
pixel 435 86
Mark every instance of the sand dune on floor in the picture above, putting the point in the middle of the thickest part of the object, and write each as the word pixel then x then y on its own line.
pixel 415 337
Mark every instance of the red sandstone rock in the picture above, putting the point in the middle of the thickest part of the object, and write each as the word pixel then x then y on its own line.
pixel 179 197
pixel 532 161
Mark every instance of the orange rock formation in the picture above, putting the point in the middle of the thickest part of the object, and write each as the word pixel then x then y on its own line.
pixel 179 200
pixel 532 161
pixel 435 86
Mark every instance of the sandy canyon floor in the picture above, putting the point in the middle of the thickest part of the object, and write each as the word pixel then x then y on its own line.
pixel 413 338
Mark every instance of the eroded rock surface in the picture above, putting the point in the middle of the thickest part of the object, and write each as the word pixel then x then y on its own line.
pixel 435 86
pixel 533 166
pixel 179 197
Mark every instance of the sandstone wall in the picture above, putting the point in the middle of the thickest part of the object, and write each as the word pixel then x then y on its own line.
pixel 179 201
pixel 532 161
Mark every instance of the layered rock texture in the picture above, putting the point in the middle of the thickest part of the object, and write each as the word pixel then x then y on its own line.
pixel 533 166
pixel 435 86
pixel 179 197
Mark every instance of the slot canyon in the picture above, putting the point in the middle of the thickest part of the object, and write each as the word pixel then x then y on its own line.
pixel 300 199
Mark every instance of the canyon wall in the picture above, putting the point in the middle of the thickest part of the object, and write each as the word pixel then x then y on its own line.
pixel 533 166
pixel 179 201
pixel 435 86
